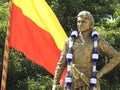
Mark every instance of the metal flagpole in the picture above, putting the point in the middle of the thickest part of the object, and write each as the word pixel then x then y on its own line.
pixel 6 56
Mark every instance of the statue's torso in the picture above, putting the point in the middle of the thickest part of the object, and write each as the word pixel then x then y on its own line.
pixel 82 53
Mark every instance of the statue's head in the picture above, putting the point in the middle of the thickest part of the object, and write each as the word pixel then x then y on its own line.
pixel 85 21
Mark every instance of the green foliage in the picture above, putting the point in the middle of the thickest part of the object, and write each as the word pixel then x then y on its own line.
pixel 111 35
pixel 3 25
pixel 38 83
pixel 26 75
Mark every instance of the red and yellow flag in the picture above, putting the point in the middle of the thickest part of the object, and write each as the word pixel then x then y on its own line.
pixel 36 32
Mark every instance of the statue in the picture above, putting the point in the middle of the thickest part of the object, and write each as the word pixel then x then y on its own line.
pixel 81 65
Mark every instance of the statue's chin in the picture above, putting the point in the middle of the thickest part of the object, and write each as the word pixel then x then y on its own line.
pixel 82 31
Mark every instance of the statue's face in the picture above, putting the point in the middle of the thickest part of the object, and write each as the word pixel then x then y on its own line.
pixel 83 23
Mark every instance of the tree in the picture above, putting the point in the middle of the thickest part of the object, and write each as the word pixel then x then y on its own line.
pixel 67 11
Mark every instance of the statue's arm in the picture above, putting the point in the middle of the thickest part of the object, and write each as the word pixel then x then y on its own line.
pixel 61 65
pixel 111 53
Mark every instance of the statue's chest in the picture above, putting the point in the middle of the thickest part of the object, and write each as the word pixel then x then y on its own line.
pixel 82 51
pixel 79 45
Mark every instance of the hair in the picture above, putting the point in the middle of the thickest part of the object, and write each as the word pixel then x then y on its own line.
pixel 87 15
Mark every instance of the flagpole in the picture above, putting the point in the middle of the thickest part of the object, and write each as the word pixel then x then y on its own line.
pixel 6 56
pixel 5 63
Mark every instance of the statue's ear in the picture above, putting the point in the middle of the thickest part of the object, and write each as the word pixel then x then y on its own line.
pixel 92 25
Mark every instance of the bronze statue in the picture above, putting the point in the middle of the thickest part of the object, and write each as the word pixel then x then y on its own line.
pixel 81 64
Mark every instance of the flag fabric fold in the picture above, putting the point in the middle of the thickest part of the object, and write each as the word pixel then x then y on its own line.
pixel 36 32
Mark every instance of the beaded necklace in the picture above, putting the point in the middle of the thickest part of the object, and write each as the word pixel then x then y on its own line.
pixel 95 56
pixel 69 58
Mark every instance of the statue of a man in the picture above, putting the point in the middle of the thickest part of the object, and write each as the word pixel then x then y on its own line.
pixel 82 55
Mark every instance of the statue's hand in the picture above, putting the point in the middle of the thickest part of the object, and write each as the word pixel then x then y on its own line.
pixel 54 87
pixel 94 88
pixel 99 75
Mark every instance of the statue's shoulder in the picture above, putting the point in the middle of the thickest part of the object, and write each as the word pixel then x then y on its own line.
pixel 101 38
pixel 102 41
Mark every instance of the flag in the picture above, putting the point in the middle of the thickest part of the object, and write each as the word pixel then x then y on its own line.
pixel 36 32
